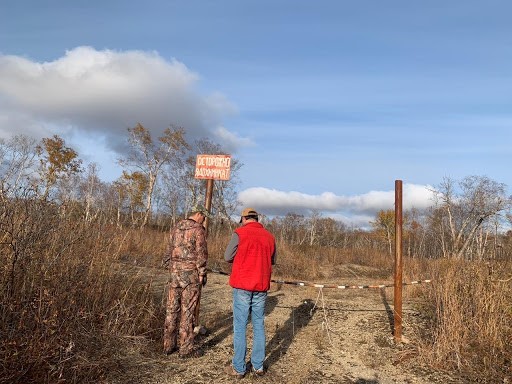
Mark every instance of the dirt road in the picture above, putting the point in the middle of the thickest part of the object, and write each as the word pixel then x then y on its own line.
pixel 313 336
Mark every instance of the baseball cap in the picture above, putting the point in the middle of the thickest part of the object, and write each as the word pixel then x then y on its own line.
pixel 200 208
pixel 249 212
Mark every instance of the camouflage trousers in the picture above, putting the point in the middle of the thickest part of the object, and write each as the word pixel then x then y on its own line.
pixel 180 318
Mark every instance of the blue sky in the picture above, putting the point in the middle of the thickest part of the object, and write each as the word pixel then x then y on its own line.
pixel 326 103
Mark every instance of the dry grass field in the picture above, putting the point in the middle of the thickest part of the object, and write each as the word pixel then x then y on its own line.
pixel 83 303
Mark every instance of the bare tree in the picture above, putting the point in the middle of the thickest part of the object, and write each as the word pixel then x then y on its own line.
pixel 17 164
pixel 384 225
pixel 312 230
pixel 414 232
pixel 462 211
pixel 90 188
pixel 291 228
pixel 173 190
pixel 132 189
pixel 149 157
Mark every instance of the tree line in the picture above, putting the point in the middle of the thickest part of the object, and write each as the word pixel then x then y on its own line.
pixel 156 185
pixel 468 219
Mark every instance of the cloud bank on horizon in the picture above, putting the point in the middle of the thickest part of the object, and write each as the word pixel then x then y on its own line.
pixel 353 210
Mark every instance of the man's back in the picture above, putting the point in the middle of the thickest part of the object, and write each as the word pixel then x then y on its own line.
pixel 252 265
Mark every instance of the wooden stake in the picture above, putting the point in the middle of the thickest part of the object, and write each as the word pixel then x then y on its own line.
pixel 208 205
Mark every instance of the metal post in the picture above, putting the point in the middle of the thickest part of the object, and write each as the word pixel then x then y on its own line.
pixel 397 297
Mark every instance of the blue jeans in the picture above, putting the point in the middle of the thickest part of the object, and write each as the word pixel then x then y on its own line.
pixel 245 302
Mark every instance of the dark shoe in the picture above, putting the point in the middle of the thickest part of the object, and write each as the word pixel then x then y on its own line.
pixel 258 372
pixel 170 351
pixel 192 354
pixel 233 373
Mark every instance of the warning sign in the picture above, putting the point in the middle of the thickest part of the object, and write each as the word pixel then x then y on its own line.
pixel 216 167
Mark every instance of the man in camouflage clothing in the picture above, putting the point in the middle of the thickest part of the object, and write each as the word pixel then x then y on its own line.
pixel 186 256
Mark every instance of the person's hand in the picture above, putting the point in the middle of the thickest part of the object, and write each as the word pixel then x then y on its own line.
pixel 203 280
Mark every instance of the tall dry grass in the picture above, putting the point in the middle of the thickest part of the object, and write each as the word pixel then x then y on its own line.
pixel 468 305
pixel 72 292
pixel 66 299
pixel 470 308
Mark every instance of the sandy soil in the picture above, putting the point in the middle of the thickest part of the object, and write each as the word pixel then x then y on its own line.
pixel 313 336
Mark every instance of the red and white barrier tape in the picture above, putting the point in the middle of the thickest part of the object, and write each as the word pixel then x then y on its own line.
pixel 316 285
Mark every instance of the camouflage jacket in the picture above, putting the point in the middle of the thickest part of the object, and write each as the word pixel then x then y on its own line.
pixel 187 249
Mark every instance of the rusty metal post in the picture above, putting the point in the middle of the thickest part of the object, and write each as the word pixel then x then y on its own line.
pixel 208 201
pixel 208 205
pixel 397 297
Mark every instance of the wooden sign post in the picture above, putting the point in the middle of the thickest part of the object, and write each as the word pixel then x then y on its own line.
pixel 209 168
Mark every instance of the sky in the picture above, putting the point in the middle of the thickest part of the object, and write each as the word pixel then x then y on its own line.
pixel 325 103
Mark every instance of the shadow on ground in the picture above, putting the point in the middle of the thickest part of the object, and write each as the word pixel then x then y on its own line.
pixel 300 316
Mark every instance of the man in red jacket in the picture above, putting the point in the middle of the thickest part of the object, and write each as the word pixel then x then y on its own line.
pixel 252 250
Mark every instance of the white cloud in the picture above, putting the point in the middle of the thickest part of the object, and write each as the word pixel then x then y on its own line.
pixel 103 93
pixel 231 140
pixel 349 209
